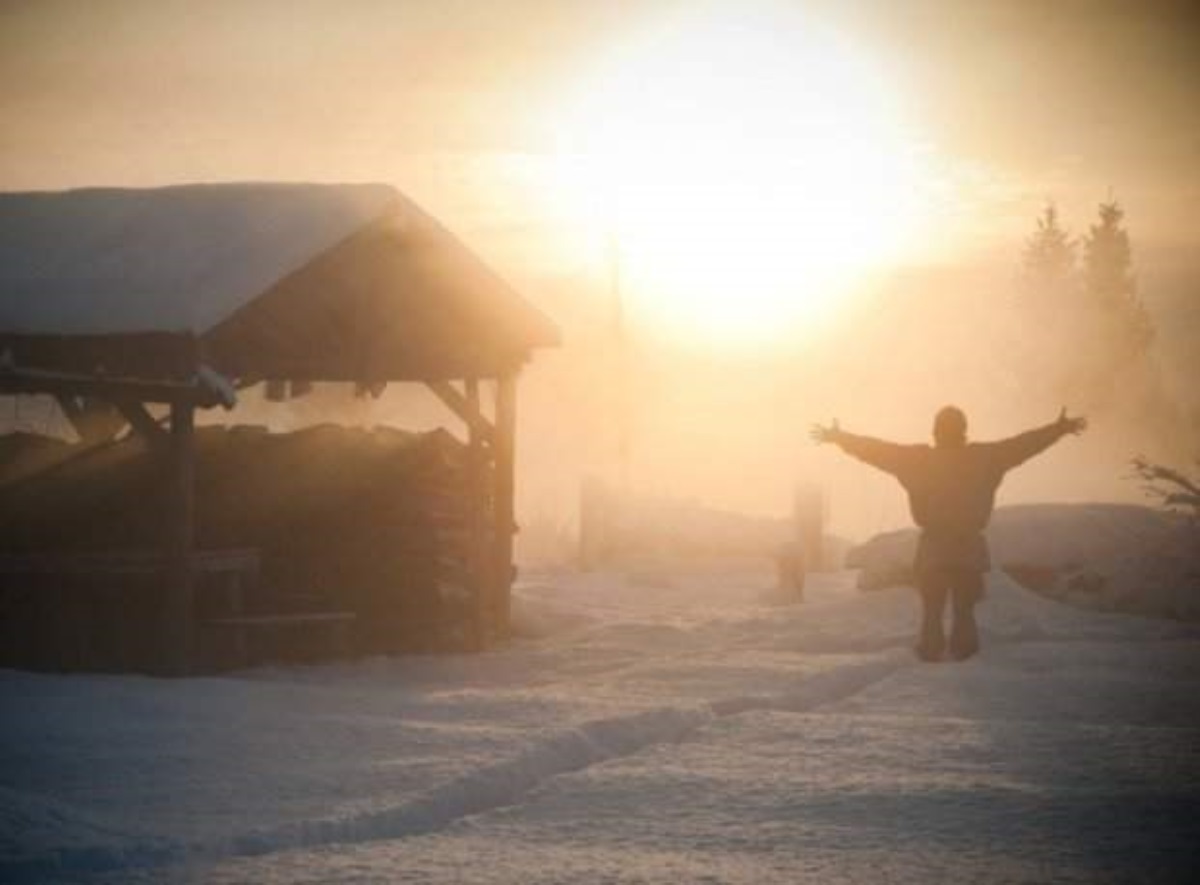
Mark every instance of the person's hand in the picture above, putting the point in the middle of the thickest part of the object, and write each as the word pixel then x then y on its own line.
pixel 1076 425
pixel 825 434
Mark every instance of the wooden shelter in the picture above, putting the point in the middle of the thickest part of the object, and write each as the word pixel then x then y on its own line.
pixel 181 296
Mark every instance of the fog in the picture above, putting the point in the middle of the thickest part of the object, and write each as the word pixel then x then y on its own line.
pixel 731 430
pixel 728 426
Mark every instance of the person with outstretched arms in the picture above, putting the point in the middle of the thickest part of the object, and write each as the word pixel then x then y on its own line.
pixel 951 488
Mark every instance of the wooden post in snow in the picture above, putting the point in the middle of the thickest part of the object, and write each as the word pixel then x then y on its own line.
pixel 479 561
pixel 809 514
pixel 180 520
pixel 504 515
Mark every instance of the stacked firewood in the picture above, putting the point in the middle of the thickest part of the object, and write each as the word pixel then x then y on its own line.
pixel 373 522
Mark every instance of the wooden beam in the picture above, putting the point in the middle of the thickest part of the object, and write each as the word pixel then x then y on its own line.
pixel 142 422
pixel 66 384
pixel 464 407
pixel 808 516
pixel 180 538
pixel 504 498
pixel 479 561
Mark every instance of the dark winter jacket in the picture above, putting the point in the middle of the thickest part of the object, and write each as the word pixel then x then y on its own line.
pixel 951 489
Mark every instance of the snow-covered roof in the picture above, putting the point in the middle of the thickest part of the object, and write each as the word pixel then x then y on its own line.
pixel 313 281
pixel 173 259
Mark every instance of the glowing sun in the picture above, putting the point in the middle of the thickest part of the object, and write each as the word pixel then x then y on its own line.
pixel 747 168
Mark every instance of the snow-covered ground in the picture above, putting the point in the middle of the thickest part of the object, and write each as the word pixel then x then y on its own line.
pixel 690 730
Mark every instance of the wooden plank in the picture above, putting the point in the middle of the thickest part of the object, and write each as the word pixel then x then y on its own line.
pixel 455 570
pixel 79 564
pixel 477 557
pixel 142 421
pixel 68 384
pixel 298 619
pixel 450 590
pixel 504 497
pixel 465 407
pixel 336 623
pixel 181 529
pixel 240 560
pixel 808 514
pixel 228 559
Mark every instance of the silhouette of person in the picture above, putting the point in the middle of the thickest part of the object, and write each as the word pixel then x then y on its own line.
pixel 951 489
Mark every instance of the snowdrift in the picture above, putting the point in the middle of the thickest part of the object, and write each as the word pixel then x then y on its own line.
pixel 1110 557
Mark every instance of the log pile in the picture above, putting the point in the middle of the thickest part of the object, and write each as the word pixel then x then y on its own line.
pixel 373 522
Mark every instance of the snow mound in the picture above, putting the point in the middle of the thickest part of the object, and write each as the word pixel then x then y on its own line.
pixel 1106 557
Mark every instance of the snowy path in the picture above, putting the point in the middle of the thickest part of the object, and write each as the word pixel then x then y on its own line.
pixel 693 732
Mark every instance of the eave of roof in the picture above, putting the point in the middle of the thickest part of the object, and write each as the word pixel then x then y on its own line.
pixel 323 282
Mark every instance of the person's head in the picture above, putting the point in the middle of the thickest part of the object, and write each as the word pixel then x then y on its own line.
pixel 950 427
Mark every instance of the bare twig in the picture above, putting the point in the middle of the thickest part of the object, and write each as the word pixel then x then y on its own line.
pixel 1172 487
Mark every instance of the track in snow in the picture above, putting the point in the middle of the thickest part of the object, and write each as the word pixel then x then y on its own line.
pixel 490 787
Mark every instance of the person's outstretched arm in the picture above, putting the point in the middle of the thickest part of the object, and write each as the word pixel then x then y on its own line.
pixel 1020 448
pixel 887 456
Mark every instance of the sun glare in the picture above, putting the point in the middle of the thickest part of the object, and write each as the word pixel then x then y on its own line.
pixel 748 169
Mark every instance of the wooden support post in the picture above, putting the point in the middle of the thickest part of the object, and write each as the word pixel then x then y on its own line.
pixel 141 421
pixel 180 535
pixel 594 530
pixel 504 513
pixel 464 407
pixel 479 563
pixel 809 517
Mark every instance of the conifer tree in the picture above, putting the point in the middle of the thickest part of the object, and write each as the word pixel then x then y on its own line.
pixel 1049 259
pixel 1048 299
pixel 1109 281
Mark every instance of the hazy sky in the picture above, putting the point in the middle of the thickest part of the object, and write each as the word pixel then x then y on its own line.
pixel 454 100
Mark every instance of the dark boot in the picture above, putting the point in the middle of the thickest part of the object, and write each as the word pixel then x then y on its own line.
pixel 964 634
pixel 931 644
pixel 964 640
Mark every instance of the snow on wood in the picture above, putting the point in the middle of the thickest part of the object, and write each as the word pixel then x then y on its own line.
pixel 174 259
pixel 277 281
